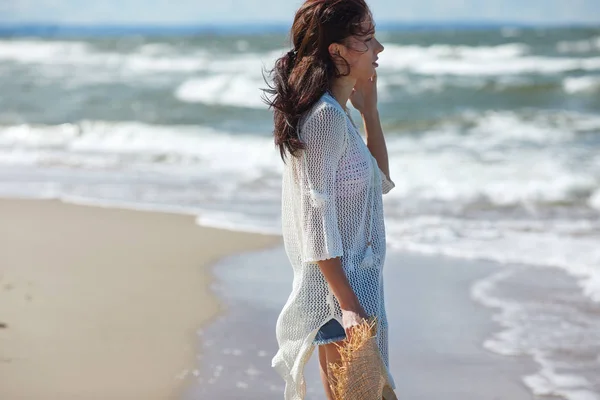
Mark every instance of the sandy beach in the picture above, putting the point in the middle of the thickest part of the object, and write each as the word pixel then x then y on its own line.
pixel 100 303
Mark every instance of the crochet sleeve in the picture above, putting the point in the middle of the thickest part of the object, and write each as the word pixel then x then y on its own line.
pixel 324 134
pixel 386 184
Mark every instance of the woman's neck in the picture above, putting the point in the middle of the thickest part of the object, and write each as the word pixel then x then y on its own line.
pixel 341 89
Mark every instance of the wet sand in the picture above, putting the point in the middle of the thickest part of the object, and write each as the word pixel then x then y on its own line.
pixel 436 332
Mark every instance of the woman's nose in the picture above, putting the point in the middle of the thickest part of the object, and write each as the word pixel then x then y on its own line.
pixel 380 47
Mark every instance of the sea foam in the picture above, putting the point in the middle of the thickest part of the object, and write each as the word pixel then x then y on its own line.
pixel 237 90
pixel 582 84
pixel 558 329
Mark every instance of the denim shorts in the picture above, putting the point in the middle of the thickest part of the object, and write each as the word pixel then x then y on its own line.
pixel 330 332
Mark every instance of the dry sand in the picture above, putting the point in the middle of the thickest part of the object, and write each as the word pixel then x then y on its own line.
pixel 102 303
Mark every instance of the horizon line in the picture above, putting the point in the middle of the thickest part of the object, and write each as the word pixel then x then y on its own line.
pixel 257 27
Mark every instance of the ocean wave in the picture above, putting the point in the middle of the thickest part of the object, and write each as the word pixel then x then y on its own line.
pixel 210 78
pixel 594 200
pixel 581 84
pixel 32 51
pixel 509 59
pixel 416 53
pixel 579 46
pixel 228 90
pixel 147 58
pixel 60 58
pixel 493 156
pixel 419 84
pixel 127 144
pixel 235 82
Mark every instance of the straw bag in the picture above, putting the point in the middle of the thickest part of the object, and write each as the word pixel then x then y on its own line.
pixel 361 373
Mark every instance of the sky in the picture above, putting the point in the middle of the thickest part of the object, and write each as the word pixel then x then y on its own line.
pixel 199 12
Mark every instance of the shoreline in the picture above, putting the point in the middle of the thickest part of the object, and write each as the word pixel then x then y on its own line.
pixel 105 302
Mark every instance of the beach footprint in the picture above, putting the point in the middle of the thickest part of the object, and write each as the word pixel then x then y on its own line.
pixel 9 286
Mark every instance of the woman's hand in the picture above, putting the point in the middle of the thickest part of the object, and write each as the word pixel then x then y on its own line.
pixel 352 318
pixel 364 95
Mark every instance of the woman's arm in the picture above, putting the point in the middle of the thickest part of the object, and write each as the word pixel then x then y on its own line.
pixel 338 282
pixel 352 312
pixel 376 140
pixel 364 99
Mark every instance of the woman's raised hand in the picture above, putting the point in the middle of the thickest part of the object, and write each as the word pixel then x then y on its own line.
pixel 364 95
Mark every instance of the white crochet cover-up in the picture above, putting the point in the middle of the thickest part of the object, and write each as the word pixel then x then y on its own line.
pixel 331 207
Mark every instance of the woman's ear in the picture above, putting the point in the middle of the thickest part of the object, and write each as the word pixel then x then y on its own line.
pixel 334 50
pixel 338 53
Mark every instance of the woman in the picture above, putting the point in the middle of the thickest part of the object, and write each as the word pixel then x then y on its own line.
pixel 332 211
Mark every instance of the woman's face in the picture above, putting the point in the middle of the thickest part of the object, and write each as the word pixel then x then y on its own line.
pixel 362 52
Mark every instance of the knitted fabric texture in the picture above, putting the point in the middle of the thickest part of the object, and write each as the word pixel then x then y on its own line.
pixel 331 207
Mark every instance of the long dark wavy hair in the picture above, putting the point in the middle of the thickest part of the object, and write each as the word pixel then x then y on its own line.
pixel 306 72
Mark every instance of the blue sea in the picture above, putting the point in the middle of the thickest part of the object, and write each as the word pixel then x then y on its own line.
pixel 493 134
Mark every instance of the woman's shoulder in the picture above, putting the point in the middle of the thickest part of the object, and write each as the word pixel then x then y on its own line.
pixel 326 110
